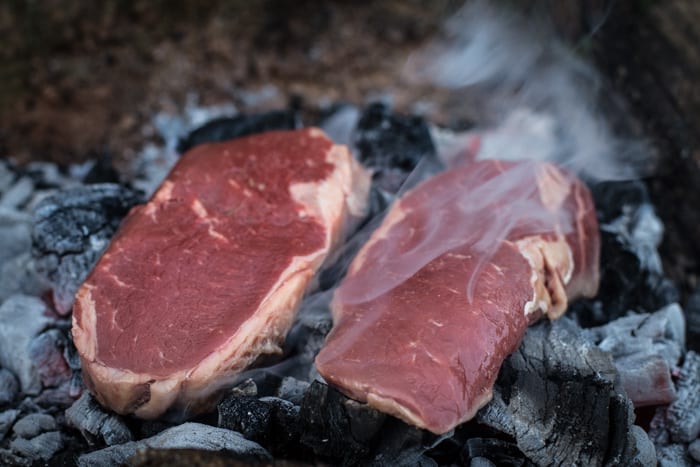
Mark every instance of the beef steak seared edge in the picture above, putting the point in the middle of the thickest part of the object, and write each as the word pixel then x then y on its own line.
pixel 446 286
pixel 206 277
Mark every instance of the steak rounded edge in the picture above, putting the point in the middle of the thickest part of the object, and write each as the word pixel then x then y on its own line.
pixel 206 276
pixel 446 286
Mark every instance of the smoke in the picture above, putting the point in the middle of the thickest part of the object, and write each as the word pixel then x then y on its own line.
pixel 543 101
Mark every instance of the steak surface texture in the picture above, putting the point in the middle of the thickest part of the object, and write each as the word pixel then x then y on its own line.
pixel 206 277
pixel 446 286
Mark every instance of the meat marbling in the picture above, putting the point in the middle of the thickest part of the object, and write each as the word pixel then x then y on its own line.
pixel 206 277
pixel 445 288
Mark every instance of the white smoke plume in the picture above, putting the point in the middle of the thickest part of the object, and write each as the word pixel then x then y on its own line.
pixel 544 102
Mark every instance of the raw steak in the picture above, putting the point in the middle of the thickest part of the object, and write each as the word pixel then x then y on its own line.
pixel 206 277
pixel 445 288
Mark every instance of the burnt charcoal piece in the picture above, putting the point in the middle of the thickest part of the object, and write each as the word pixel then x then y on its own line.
pixel 555 378
pixel 9 387
pixel 645 348
pixel 270 421
pixel 222 129
pixel 499 452
pixel 683 416
pixel 631 276
pixel 102 171
pixel 185 436
pixel 88 417
pixel 337 428
pixel 43 446
pixel 34 424
pixel 7 418
pixel 392 144
pixel 692 315
pixel 46 351
pixel 71 229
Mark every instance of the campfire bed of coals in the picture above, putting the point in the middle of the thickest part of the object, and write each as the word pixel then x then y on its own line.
pixel 611 383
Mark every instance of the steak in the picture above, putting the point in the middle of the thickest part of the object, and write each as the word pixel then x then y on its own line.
pixel 206 277
pixel 446 286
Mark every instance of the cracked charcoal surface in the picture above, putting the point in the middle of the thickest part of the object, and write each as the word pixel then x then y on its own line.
pixel 495 451
pixel 554 377
pixel 71 229
pixel 22 318
pixel 222 129
pixel 683 415
pixel 94 423
pixel 185 436
pixel 7 418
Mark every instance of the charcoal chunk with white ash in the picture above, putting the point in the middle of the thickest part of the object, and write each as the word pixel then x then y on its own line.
pixel 94 423
pixel 43 446
pixel 479 451
pixel 683 415
pixel 23 317
pixel 185 436
pixel 225 128
pixel 557 376
pixel 692 313
pixel 71 229
pixel 34 424
pixel 7 419
pixel 47 353
pixel 9 387
pixel 645 348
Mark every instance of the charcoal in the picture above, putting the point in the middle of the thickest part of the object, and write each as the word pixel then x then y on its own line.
pixel 88 416
pixel 495 451
pixel 222 129
pixel 399 444
pixel 336 427
pixel 18 194
pixel 18 275
pixel 62 396
pixel 22 318
pixel 292 389
pixel 392 145
pixel 7 419
pixel 15 233
pixel 694 450
pixel 185 436
pixel 684 413
pixel 7 457
pixel 46 351
pixel 481 462
pixel 195 458
pixel 33 424
pixel 645 348
pixel 692 314
pixel 102 171
pixel 7 175
pixel 71 229
pixel 674 455
pixel 43 446
pixel 631 277
pixel 310 327
pixel 270 421
pixel 646 452
pixel 557 376
pixel 9 387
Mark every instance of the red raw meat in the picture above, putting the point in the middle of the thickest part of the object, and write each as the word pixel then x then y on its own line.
pixel 445 288
pixel 206 277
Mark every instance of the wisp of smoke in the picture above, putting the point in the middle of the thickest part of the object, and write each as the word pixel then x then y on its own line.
pixel 547 101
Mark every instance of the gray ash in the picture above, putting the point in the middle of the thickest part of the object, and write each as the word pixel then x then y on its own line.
pixel 565 397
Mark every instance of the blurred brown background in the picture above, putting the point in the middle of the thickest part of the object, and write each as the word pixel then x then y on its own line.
pixel 80 79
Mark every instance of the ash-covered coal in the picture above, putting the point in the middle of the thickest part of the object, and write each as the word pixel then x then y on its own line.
pixel 556 397
pixel 71 229
pixel 646 349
